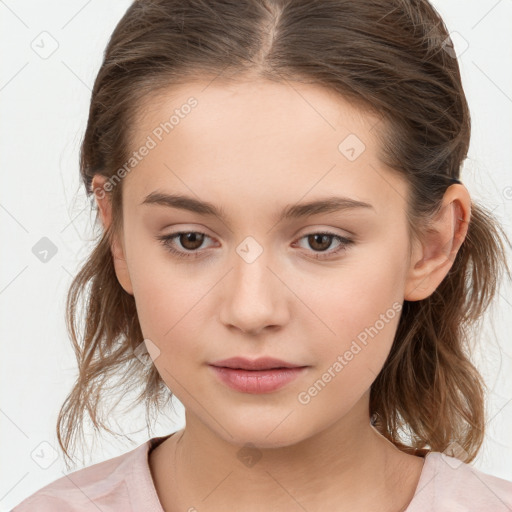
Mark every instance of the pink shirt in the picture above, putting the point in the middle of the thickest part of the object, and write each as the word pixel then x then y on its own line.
pixel 125 484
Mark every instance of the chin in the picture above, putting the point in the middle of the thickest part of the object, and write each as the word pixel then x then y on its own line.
pixel 265 434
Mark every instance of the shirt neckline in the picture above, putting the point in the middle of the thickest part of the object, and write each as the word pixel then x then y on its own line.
pixel 141 487
pixel 152 500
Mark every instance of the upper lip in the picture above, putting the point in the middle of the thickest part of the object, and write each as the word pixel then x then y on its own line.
pixel 262 363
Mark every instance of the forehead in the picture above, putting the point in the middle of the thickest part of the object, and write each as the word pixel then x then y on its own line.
pixel 259 142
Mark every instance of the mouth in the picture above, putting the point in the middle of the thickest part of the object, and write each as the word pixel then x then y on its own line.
pixel 263 375
pixel 262 363
pixel 257 381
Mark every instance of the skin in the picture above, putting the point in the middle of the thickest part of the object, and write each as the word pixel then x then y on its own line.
pixel 253 148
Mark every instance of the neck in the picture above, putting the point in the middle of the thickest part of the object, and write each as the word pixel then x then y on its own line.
pixel 348 466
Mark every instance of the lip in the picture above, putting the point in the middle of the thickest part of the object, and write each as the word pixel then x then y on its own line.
pixel 263 375
pixel 257 381
pixel 262 363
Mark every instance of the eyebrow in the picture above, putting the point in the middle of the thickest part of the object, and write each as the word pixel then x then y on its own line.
pixel 293 211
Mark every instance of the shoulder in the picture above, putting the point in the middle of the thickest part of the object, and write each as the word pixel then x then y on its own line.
pixel 447 484
pixel 115 484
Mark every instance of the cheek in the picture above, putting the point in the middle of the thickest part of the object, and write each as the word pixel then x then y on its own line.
pixel 162 293
pixel 167 309
pixel 170 307
pixel 361 309
pixel 349 361
pixel 366 285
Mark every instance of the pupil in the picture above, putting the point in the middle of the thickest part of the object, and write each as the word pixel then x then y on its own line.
pixel 326 237
pixel 194 238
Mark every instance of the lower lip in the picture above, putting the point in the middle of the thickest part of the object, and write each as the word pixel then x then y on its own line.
pixel 257 381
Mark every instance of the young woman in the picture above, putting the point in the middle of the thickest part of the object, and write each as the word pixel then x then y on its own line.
pixel 286 236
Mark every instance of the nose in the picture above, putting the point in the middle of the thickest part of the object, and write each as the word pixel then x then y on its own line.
pixel 254 298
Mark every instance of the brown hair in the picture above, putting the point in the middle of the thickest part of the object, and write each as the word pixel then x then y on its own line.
pixel 388 57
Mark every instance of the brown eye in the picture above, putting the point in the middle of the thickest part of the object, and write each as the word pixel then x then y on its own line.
pixel 320 242
pixel 191 241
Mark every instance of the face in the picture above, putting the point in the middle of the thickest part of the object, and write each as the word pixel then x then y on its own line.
pixel 322 290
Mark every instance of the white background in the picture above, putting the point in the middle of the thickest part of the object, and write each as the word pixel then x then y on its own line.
pixel 44 108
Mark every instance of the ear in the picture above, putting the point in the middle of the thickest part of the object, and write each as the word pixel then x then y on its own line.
pixel 433 256
pixel 103 200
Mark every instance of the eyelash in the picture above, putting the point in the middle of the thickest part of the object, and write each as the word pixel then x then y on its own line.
pixel 166 240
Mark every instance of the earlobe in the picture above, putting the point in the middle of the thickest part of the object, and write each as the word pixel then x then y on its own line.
pixel 433 257
pixel 121 266
pixel 118 254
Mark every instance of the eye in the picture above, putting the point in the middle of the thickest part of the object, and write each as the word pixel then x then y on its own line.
pixel 191 241
pixel 322 240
